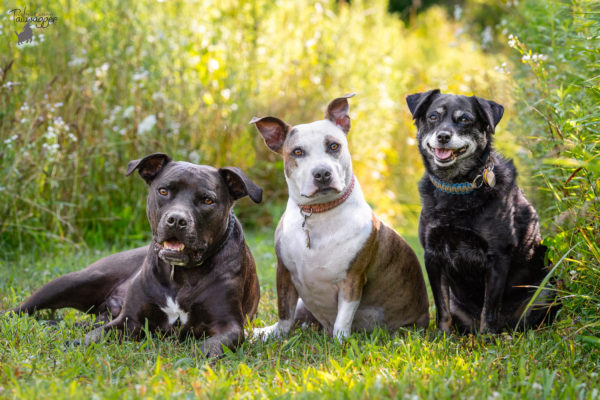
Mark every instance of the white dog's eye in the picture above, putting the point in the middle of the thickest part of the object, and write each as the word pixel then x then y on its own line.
pixel 334 146
pixel 298 152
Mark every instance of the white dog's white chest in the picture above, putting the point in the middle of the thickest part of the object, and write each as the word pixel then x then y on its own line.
pixel 335 239
pixel 174 312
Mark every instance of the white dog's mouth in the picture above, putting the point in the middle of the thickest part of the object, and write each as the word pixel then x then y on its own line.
pixel 444 155
pixel 320 191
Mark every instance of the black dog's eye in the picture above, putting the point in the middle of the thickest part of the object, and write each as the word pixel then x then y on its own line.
pixel 298 152
pixel 433 117
pixel 334 146
pixel 464 120
pixel 163 191
pixel 208 201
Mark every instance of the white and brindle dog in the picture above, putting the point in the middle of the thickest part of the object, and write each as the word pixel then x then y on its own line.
pixel 336 261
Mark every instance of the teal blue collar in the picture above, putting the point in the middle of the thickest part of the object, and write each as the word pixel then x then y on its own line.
pixel 487 177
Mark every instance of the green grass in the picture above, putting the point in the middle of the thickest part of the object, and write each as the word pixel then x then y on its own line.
pixel 411 364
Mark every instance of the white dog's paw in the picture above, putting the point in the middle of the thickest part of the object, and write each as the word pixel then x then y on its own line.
pixel 277 330
pixel 341 334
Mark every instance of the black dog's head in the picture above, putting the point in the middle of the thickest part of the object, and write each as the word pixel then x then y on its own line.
pixel 454 132
pixel 189 205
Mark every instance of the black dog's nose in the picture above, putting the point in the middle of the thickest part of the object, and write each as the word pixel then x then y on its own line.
pixel 443 137
pixel 176 220
pixel 322 176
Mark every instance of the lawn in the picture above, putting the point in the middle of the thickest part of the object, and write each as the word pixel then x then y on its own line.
pixel 35 361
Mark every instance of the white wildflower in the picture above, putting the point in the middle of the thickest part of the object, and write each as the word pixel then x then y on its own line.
pixel 226 93
pixel 536 386
pixel 486 36
pixel 128 112
pixel 194 157
pixel 213 65
pixel 457 12
pixel 142 75
pixel 147 124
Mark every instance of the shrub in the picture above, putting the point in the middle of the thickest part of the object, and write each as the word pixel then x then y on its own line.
pixel 557 84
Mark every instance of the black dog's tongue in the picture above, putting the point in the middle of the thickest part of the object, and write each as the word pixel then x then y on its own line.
pixel 443 154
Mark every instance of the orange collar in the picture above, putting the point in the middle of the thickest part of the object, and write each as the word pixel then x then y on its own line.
pixel 319 208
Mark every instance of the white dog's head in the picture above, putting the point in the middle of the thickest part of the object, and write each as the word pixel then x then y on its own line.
pixel 316 160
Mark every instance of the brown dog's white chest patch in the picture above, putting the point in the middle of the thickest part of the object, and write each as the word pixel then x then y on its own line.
pixel 174 312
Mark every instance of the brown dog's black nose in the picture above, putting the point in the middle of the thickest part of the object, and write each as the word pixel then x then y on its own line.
pixel 176 219
pixel 443 137
pixel 322 176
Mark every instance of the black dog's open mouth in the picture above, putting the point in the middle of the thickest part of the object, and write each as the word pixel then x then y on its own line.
pixel 447 155
pixel 174 252
pixel 172 245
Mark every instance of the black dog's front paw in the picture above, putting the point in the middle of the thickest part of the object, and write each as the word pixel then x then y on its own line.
pixel 488 327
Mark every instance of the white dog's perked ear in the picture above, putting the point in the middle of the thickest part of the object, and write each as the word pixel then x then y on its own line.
pixel 338 112
pixel 273 130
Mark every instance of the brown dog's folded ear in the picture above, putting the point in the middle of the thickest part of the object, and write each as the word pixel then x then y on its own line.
pixel 418 102
pixel 338 112
pixel 273 130
pixel 490 110
pixel 240 185
pixel 149 167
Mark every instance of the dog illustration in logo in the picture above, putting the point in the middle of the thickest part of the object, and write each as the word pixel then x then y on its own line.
pixel 26 36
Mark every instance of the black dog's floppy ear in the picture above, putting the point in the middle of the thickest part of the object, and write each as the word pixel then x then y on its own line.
pixel 273 130
pixel 418 102
pixel 491 111
pixel 149 167
pixel 240 185
pixel 338 112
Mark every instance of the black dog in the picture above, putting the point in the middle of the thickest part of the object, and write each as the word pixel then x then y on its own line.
pixel 481 235
pixel 197 271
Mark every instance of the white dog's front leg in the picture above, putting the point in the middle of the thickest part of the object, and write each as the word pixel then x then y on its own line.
pixel 345 315
pixel 277 330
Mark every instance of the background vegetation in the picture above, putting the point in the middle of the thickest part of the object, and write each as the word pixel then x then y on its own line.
pixel 112 81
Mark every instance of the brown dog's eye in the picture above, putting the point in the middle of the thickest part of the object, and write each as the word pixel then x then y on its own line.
pixel 208 201
pixel 163 191
pixel 334 147
pixel 298 152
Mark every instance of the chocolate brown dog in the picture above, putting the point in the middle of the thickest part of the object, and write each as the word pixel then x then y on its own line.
pixel 336 260
pixel 198 274
pixel 481 235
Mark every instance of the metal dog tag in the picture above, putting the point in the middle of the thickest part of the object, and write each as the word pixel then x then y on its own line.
pixel 305 228
pixel 489 177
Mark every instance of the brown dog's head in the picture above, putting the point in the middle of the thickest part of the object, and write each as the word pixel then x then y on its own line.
pixel 454 132
pixel 316 160
pixel 189 205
